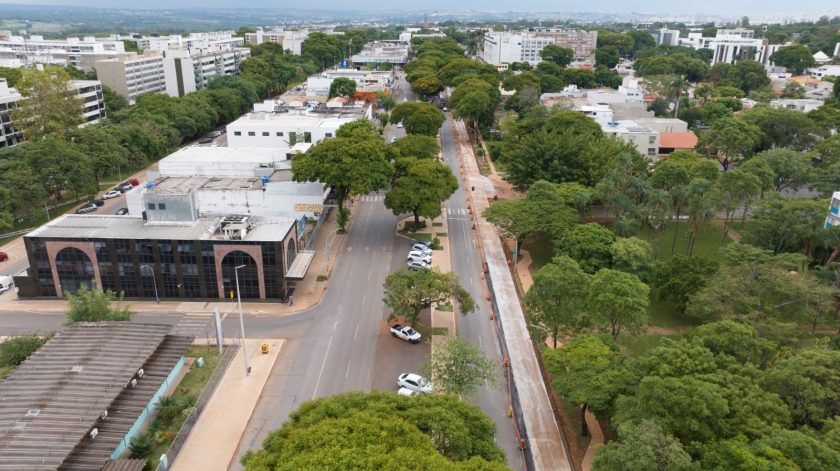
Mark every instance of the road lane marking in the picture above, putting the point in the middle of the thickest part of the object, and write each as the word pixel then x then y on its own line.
pixel 364 296
pixel 348 369
pixel 479 342
pixel 369 273
pixel 335 325
pixel 323 364
pixel 357 332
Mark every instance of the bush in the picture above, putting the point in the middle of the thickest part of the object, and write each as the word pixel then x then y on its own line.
pixel 94 305
pixel 141 445
pixel 17 349
pixel 436 245
pixel 342 218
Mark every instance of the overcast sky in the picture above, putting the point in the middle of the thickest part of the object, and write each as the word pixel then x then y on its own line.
pixel 615 6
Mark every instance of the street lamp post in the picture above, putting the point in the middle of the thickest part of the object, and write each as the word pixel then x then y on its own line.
pixel 154 281
pixel 241 320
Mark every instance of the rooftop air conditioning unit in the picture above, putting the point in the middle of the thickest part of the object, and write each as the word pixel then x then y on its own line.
pixel 104 415
pixel 133 382
pixel 94 433
pixel 140 373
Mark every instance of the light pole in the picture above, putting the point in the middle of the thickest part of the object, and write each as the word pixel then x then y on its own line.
pixel 329 241
pixel 241 320
pixel 154 281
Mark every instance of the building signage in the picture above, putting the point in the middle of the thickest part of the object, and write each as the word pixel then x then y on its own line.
pixel 309 208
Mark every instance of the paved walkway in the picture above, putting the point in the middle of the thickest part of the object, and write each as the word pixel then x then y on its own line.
pixel 544 440
pixel 213 441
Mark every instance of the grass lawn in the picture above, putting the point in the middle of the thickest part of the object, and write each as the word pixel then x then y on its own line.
pixel 663 314
pixel 708 243
pixel 424 236
pixel 190 386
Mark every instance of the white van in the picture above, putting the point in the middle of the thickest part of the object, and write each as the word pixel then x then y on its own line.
pixel 6 283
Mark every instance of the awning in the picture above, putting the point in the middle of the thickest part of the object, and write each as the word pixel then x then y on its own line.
pixel 300 266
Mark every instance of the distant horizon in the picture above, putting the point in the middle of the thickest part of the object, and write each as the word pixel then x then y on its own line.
pixel 725 8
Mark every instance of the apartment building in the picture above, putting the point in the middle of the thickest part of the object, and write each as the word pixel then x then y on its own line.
pixel 291 40
pixel 666 37
pixel 644 138
pixel 730 45
pixel 134 76
pixel 9 99
pixel 185 72
pixel 525 46
pixel 88 92
pixel 82 53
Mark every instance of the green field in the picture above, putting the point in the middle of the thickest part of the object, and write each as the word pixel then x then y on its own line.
pixel 708 243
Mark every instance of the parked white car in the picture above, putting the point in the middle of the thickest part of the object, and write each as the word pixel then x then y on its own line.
pixel 112 194
pixel 407 392
pixel 414 382
pixel 421 248
pixel 419 254
pixel 418 264
pixel 406 332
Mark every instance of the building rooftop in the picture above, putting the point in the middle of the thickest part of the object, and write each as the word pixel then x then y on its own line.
pixel 677 140
pixel 53 399
pixel 300 120
pixel 75 226
pixel 201 156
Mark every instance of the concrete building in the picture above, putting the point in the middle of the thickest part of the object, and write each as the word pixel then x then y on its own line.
pixel 290 40
pixel 213 181
pixel 87 92
pixel 644 138
pixel 730 45
pixel 132 77
pixel 9 99
pixel 382 52
pixel 366 80
pixel 833 218
pixel 666 37
pixel 282 127
pixel 799 104
pixel 525 46
pixel 79 52
pixel 824 71
pixel 185 72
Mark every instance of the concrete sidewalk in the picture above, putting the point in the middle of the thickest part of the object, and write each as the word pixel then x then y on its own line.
pixel 213 441
pixel 545 442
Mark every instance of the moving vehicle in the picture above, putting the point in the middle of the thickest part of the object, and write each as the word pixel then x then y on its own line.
pixel 121 212
pixel 112 194
pixel 3 256
pixel 88 208
pixel 414 382
pixel 6 283
pixel 406 332
pixel 418 264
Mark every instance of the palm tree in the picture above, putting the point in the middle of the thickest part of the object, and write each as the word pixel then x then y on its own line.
pixel 676 88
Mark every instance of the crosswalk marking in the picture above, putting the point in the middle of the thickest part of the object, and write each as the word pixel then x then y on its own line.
pixel 457 211
pixel 371 198
pixel 194 324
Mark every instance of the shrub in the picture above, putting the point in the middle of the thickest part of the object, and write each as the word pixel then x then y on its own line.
pixel 141 445
pixel 17 349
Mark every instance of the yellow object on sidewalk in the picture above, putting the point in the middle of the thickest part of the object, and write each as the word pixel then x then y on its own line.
pixel 264 347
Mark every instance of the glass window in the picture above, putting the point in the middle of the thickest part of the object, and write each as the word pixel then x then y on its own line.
pixel 252 133
pixel 279 134
pixel 249 284
pixel 237 133
pixel 151 206
pixel 265 133
pixel 161 206
pixel 74 269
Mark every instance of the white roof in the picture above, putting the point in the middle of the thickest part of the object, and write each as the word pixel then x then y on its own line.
pixel 256 155
pixel 288 120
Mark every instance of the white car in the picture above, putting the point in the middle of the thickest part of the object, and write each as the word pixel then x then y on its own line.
pixel 420 255
pixel 407 392
pixel 418 264
pixel 414 382
pixel 406 332
pixel 400 124
pixel 421 248
pixel 215 144
pixel 112 194
pixel 393 140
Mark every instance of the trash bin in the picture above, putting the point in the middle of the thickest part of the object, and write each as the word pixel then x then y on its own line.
pixel 264 346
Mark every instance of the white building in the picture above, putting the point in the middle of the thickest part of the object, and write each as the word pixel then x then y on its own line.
pixel 729 45
pixel 79 52
pixel 366 80
pixel 833 218
pixel 382 52
pixel 290 40
pixel 645 139
pixel 284 127
pixel 90 94
pixel 525 46
pixel 824 71
pixel 799 104
pixel 218 181
pixel 666 37
pixel 185 72
pixel 9 98
pixel 132 77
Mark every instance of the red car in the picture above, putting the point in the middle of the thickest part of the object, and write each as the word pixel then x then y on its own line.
pixel 3 256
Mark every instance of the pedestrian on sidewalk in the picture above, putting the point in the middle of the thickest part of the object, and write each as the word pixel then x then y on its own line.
pixel 291 300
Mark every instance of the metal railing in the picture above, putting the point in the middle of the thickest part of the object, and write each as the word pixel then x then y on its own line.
pixel 200 404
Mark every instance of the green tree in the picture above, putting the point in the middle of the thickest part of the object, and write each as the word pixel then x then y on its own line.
pixel 473 100
pixel 795 58
pixel 807 453
pixel 60 166
pixel 457 367
pixel 807 382
pixel 730 139
pixel 589 373
pixel 786 225
pixel 407 292
pixel 555 300
pixel 104 151
pixel 418 146
pixel 561 56
pixel 381 430
pixel 355 162
pixel 642 446
pixel 427 86
pixel 734 189
pixel 782 127
pixel 418 117
pixel 51 107
pixel 618 300
pixel 421 189
pixel 747 75
pixel 113 101
pixel 588 244
pixel 793 90
pixel 607 56
pixel 94 305
pixel 792 168
pixel 14 350
pixel 343 87
pixel 632 255
pixel 674 280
